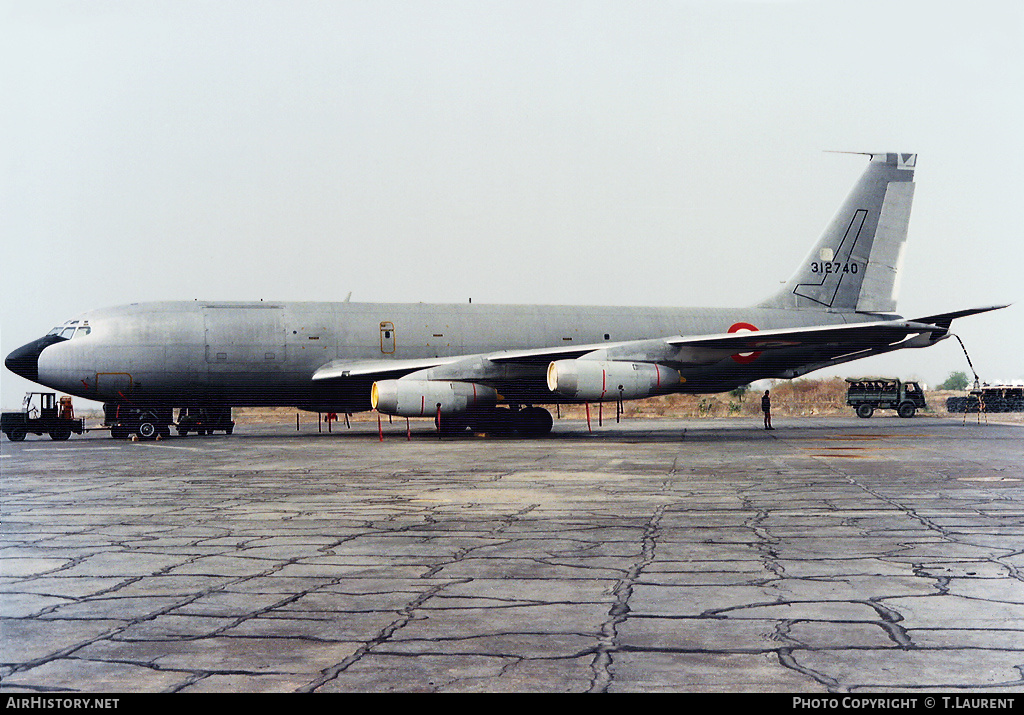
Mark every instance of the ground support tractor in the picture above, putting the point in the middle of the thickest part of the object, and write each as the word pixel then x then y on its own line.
pixel 42 414
pixel 868 394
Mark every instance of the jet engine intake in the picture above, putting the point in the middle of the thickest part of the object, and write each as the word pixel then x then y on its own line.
pixel 422 398
pixel 597 380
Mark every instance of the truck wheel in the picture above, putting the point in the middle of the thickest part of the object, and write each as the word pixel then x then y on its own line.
pixel 16 435
pixel 906 409
pixel 865 411
pixel 146 430
pixel 60 434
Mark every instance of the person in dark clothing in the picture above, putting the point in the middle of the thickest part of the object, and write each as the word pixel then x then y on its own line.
pixel 766 408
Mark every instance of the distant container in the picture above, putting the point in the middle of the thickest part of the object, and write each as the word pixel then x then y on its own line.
pixel 989 398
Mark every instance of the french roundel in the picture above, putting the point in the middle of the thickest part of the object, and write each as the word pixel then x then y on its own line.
pixel 744 358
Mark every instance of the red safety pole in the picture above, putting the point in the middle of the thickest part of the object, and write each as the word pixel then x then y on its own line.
pixel 408 431
pixel 600 414
pixel 380 432
pixel 589 429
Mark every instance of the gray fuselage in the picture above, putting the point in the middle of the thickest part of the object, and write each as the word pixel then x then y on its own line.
pixel 179 353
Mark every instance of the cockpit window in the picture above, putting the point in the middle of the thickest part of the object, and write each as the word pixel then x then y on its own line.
pixel 67 331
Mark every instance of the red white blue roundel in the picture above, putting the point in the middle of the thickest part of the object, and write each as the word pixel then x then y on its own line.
pixel 744 358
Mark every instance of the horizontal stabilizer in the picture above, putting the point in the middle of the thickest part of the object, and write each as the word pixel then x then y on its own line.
pixel 943 320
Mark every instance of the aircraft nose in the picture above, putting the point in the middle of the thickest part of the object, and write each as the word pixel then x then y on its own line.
pixel 25 360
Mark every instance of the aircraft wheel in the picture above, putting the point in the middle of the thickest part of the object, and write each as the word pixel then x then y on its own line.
pixel 60 434
pixel 146 430
pixel 865 411
pixel 907 409
pixel 534 422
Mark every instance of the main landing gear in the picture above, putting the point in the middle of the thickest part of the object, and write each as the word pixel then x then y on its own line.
pixel 501 421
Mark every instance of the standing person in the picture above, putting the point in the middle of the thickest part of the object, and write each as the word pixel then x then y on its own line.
pixel 766 407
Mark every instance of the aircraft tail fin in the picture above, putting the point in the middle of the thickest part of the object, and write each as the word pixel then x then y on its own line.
pixel 855 265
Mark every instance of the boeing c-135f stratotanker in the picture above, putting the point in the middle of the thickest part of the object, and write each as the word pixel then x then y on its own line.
pixel 488 367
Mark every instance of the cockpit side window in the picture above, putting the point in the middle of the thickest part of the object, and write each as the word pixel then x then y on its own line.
pixel 68 333
pixel 83 330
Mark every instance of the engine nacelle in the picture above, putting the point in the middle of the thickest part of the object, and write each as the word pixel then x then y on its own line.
pixel 421 398
pixel 597 380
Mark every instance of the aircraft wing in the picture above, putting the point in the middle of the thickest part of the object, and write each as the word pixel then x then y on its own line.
pixel 698 349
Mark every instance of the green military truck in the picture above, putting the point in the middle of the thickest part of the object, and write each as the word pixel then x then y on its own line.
pixel 867 394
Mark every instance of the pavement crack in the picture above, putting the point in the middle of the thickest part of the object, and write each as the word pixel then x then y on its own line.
pixel 608 636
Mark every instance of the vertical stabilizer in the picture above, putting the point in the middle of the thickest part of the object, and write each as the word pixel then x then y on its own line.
pixel 854 266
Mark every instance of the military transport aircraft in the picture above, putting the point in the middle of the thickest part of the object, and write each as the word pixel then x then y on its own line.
pixel 488 367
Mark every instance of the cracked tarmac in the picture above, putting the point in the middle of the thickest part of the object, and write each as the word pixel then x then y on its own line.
pixel 832 555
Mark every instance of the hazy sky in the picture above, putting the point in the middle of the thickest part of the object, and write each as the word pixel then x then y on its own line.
pixel 637 153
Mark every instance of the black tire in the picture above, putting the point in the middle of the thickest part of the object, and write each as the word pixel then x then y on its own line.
pixel 865 411
pixel 60 435
pixel 906 409
pixel 146 430
pixel 534 422
pixel 16 435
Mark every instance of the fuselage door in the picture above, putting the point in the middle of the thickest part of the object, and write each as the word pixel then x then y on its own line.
pixel 114 385
pixel 387 337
